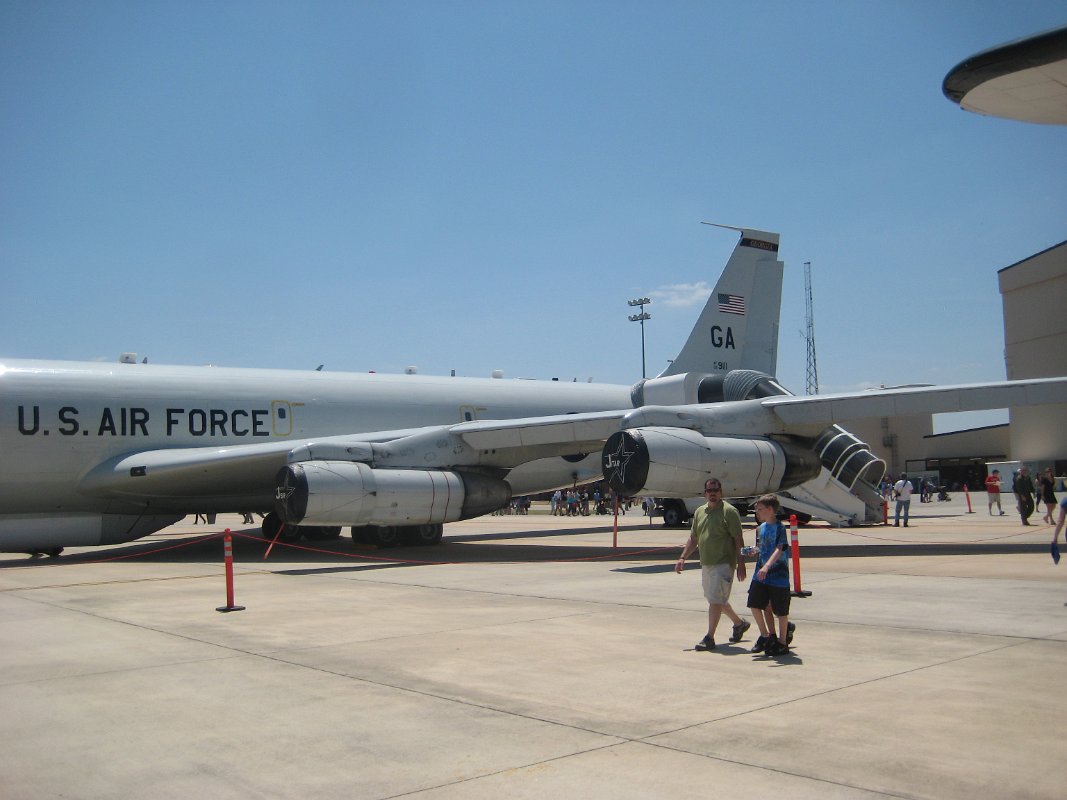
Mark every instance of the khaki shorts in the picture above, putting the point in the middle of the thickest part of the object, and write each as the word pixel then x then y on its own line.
pixel 717 581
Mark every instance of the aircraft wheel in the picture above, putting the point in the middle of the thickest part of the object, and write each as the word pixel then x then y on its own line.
pixel 424 534
pixel 386 535
pixel 291 534
pixel 270 525
pixel 321 533
pixel 272 522
pixel 362 534
pixel 672 516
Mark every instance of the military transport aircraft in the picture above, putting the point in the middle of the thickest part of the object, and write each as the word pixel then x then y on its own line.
pixel 106 453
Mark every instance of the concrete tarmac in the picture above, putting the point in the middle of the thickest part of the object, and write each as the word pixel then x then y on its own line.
pixel 527 658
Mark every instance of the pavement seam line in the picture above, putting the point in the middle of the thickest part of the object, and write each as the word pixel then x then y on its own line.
pixel 826 692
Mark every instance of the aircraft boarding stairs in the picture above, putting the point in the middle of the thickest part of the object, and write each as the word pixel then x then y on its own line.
pixel 845 491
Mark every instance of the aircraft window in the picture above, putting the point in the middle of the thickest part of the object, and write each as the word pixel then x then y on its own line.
pixel 468 416
pixel 281 413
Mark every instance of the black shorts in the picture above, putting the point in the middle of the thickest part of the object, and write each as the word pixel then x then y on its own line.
pixel 760 594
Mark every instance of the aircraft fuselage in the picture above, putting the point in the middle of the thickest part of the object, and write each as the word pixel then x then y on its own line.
pixel 58 420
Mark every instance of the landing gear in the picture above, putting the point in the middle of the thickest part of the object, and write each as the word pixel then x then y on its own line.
pixel 272 523
pixel 363 534
pixel 388 535
pixel 320 534
pixel 674 514
pixel 380 535
pixel 396 535
pixel 424 534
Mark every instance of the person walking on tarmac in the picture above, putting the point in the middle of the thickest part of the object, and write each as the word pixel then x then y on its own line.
pixel 716 532
pixel 1023 487
pixel 1046 486
pixel 992 488
pixel 902 490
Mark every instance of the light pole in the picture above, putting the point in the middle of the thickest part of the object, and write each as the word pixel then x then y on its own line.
pixel 642 302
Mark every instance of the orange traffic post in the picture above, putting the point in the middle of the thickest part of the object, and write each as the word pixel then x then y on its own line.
pixel 967 494
pixel 794 547
pixel 885 512
pixel 227 549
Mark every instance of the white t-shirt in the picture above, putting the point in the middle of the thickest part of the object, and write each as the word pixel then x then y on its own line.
pixel 903 490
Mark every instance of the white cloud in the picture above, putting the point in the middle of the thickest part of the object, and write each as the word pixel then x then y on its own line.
pixel 682 295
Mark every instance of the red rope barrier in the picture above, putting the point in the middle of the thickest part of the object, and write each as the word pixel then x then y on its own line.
pixel 376 557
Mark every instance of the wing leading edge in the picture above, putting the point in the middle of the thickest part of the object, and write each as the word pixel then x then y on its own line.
pixel 836 408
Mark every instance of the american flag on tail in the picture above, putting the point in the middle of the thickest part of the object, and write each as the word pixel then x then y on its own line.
pixel 731 304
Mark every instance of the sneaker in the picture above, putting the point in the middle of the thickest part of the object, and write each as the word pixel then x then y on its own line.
pixel 760 645
pixel 789 633
pixel 779 650
pixel 707 643
pixel 770 645
pixel 1055 552
pixel 739 630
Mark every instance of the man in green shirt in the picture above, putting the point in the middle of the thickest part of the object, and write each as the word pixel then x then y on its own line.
pixel 717 533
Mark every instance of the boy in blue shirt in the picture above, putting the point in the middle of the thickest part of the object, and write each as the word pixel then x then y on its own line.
pixel 768 593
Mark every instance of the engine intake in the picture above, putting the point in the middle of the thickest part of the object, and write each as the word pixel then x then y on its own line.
pixel 675 462
pixel 351 493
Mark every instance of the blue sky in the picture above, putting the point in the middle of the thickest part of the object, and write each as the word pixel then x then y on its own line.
pixel 483 185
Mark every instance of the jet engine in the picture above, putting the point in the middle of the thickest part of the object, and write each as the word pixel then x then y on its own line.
pixel 675 462
pixel 352 493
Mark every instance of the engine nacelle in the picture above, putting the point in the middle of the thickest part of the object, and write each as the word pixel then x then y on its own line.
pixel 675 462
pixel 351 493
pixel 698 387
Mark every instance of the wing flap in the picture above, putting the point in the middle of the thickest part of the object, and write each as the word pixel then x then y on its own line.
pixel 580 430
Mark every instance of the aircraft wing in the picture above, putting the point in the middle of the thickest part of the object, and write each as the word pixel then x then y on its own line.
pixel 246 471
pixel 907 401
pixel 750 443
pixel 765 444
pixel 560 434
pixel 249 472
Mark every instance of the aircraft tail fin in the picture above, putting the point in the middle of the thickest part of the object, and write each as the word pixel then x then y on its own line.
pixel 738 328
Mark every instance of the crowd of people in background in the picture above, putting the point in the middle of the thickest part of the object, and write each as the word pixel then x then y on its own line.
pixel 1030 494
pixel 579 501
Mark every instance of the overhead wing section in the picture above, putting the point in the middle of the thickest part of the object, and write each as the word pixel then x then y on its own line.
pixel 821 410
pixel 765 441
pixel 245 475
pixel 216 476
pixel 561 433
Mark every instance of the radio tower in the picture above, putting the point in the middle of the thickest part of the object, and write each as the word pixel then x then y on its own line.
pixel 813 371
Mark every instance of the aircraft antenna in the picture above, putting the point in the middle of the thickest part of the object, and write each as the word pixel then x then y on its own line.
pixel 813 371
